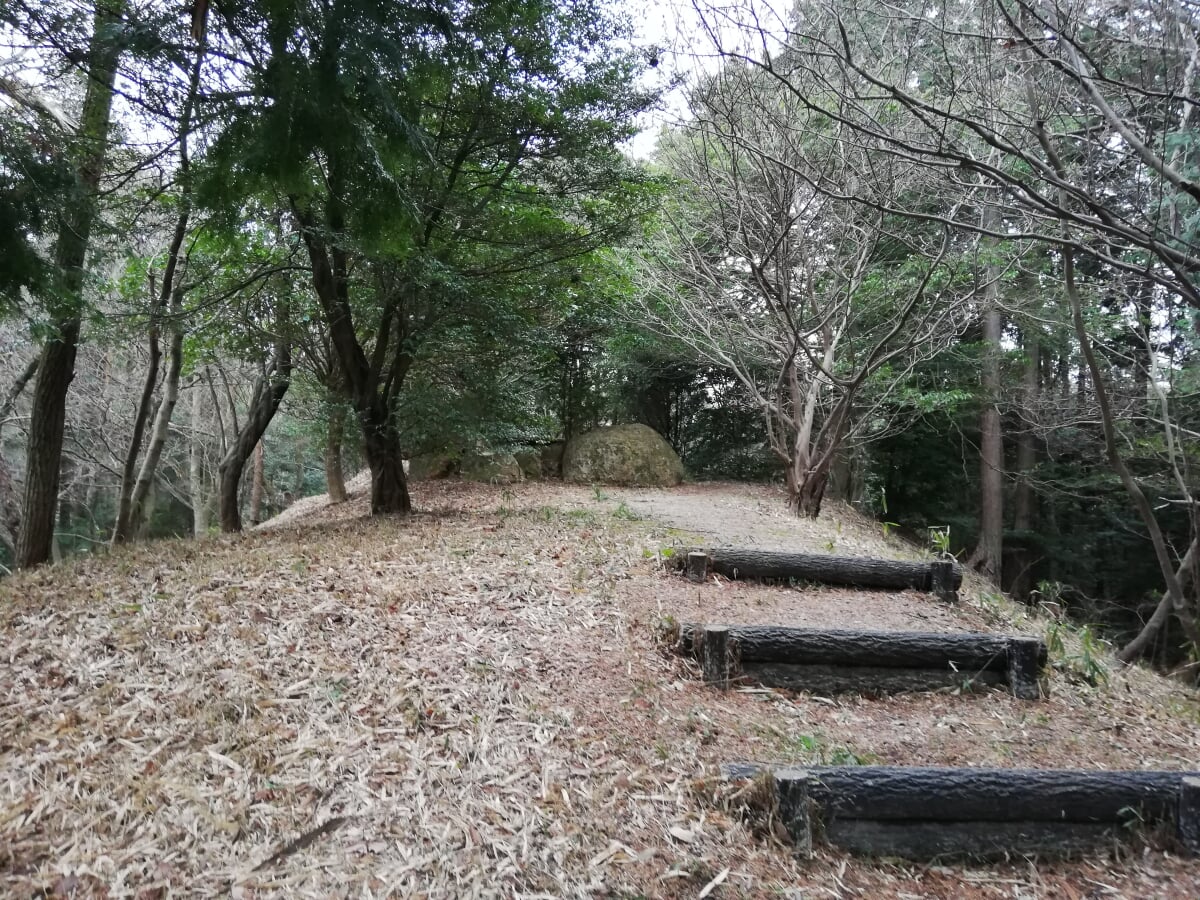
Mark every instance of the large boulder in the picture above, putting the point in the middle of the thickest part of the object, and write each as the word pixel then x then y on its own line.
pixel 432 465
pixel 493 468
pixel 622 454
pixel 552 460
pixel 530 461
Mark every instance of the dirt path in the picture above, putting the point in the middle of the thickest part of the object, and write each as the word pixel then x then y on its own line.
pixel 731 515
pixel 728 515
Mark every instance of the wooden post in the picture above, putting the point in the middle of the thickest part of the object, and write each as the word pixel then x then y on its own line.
pixel 942 581
pixel 714 656
pixel 794 810
pixel 697 566
pixel 1024 667
pixel 1188 823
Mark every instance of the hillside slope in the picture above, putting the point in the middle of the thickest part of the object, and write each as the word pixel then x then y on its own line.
pixel 476 701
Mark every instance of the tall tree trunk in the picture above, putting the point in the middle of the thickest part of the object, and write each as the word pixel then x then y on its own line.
pixel 335 480
pixel 197 489
pixel 123 530
pixel 269 391
pixel 89 501
pixel 988 555
pixel 162 422
pixel 1024 498
pixel 56 367
pixel 257 485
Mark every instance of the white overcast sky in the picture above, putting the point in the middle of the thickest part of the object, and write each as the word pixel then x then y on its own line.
pixel 677 27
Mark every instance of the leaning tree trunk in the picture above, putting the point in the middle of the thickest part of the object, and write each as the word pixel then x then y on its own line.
pixel 269 392
pixel 372 401
pixel 335 479
pixel 56 367
pixel 1183 612
pixel 14 393
pixel 1162 612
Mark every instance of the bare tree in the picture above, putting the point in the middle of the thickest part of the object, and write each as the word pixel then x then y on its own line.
pixel 809 300
pixel 1089 149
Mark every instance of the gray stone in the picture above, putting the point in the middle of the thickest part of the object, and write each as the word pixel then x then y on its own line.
pixel 530 461
pixel 622 454
pixel 492 468
pixel 552 460
pixel 432 465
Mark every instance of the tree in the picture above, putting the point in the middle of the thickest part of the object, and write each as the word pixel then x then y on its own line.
pixel 133 492
pixel 1089 149
pixel 56 366
pixel 816 305
pixel 430 156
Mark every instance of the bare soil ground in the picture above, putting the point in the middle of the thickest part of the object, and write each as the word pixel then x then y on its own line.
pixel 476 701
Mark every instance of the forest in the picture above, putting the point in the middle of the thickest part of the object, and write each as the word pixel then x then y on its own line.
pixel 938 260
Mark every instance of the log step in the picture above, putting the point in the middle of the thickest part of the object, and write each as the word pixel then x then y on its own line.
pixel 930 812
pixel 837 660
pixel 942 577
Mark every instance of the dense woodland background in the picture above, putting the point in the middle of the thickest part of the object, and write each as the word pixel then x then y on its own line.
pixel 935 259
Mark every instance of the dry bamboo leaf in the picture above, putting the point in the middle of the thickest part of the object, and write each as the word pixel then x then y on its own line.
pixel 714 884
pixel 489 711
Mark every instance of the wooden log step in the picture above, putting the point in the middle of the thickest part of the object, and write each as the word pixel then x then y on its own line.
pixel 852 571
pixel 968 840
pixel 926 812
pixel 967 651
pixel 867 680
pixel 808 658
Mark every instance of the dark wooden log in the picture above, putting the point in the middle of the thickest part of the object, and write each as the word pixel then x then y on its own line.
pixel 1026 656
pixel 845 570
pixel 795 811
pixel 1189 815
pixel 974 840
pixel 985 795
pixel 942 580
pixel 868 680
pixel 697 566
pixel 714 655
pixel 964 652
